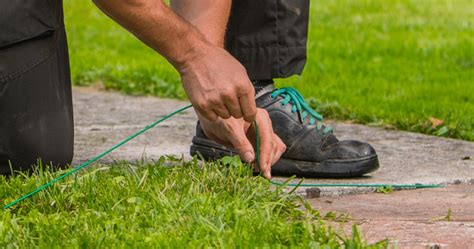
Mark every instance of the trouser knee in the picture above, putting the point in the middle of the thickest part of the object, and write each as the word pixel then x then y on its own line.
pixel 34 149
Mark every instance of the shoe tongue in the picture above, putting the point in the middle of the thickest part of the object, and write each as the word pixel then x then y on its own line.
pixel 266 89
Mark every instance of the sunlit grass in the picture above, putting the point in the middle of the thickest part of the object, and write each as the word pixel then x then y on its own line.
pixel 149 205
pixel 384 63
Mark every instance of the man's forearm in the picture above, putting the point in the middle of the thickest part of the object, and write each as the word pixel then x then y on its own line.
pixel 210 17
pixel 157 26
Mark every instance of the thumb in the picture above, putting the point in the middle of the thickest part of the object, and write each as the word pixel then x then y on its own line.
pixel 243 146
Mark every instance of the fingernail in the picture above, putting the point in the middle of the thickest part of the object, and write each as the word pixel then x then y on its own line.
pixel 267 171
pixel 268 175
pixel 249 156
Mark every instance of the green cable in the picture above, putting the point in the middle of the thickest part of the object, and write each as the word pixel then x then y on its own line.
pixel 39 189
pixel 355 185
pixel 257 143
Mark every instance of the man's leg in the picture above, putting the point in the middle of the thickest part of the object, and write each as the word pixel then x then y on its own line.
pixel 36 105
pixel 269 37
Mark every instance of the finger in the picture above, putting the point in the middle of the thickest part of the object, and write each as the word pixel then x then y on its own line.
pixel 280 149
pixel 208 114
pixel 222 111
pixel 266 138
pixel 248 106
pixel 242 145
pixel 274 152
pixel 233 107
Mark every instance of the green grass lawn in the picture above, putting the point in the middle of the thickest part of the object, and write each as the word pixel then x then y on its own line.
pixel 386 63
pixel 152 206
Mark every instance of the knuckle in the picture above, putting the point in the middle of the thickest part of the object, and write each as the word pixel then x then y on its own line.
pixel 237 114
pixel 202 104
pixel 206 107
pixel 212 117
pixel 227 94
pixel 244 89
pixel 275 145
pixel 223 112
pixel 213 100
pixel 253 113
pixel 251 90
pixel 225 115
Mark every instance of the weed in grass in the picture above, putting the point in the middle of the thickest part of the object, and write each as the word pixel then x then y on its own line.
pixel 337 217
pixel 447 217
pixel 384 190
pixel 218 204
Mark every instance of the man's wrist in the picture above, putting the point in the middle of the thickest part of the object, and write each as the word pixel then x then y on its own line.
pixel 198 47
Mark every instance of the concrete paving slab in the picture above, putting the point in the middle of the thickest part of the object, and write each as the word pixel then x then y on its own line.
pixel 423 218
pixel 104 118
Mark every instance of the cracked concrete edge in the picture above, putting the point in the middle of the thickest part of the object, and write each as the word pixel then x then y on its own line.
pixel 102 119
pixel 316 192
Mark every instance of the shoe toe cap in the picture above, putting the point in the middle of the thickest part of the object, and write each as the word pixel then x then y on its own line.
pixel 352 149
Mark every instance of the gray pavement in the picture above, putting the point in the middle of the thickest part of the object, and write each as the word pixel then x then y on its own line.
pixel 104 118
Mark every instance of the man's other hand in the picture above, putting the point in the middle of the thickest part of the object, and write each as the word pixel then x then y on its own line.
pixel 241 136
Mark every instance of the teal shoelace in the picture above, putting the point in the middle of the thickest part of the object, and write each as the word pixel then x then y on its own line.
pixel 292 96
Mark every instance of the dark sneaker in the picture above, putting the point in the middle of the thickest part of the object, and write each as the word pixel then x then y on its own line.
pixel 312 149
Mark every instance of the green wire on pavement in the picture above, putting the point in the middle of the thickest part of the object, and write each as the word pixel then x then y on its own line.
pixel 363 185
pixel 74 170
pixel 257 145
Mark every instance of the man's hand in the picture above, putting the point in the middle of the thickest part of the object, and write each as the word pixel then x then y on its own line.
pixel 239 134
pixel 217 85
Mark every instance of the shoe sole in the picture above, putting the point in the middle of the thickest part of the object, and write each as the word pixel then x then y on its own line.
pixel 211 150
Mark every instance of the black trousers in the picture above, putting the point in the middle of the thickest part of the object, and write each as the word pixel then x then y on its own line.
pixel 267 36
pixel 36 121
